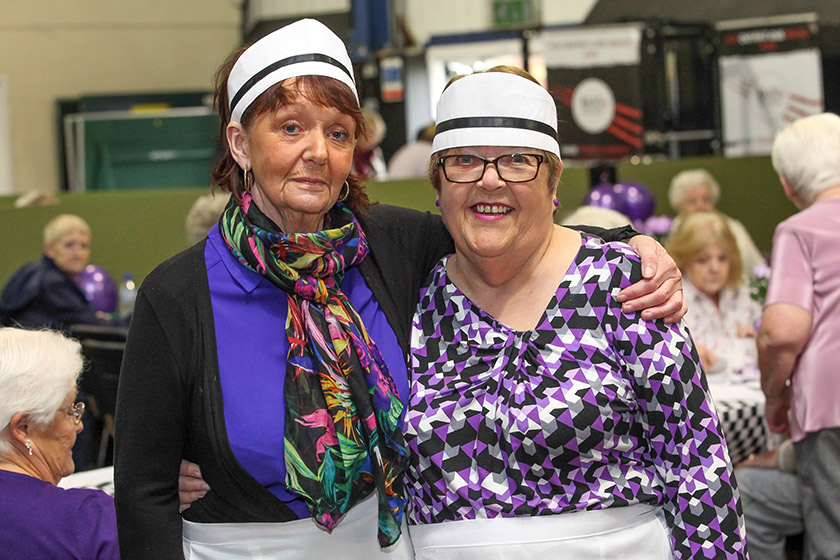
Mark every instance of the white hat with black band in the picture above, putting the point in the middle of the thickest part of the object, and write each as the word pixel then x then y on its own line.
pixel 496 109
pixel 303 48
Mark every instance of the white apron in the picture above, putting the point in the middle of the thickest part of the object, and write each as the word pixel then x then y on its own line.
pixel 353 538
pixel 628 533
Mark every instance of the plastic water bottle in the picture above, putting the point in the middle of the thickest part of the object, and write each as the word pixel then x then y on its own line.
pixel 127 295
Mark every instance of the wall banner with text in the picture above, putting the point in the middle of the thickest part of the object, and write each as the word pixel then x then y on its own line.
pixel 769 76
pixel 594 75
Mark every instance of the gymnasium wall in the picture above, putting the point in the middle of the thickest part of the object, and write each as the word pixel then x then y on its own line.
pixel 135 230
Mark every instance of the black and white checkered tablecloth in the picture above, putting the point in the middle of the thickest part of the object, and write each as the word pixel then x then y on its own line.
pixel 743 427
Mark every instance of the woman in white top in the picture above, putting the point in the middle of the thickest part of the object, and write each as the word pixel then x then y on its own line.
pixel 723 315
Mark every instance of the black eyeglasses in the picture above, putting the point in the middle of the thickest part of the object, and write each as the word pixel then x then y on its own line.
pixel 512 168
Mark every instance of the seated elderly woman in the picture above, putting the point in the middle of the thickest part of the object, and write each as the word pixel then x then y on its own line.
pixel 43 293
pixel 545 421
pixel 723 315
pixel 696 190
pixel 38 375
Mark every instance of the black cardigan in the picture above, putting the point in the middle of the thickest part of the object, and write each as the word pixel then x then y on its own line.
pixel 170 404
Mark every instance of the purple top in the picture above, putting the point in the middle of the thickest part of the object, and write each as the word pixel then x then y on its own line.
pixel 39 521
pixel 250 318
pixel 595 408
pixel 806 273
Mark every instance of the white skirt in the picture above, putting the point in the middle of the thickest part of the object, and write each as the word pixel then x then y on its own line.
pixel 628 533
pixel 353 538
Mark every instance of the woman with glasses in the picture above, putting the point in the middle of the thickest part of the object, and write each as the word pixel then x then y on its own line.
pixel 38 375
pixel 544 421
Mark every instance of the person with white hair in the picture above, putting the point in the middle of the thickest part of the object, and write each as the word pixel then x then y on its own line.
pixel 798 341
pixel 596 216
pixel 696 190
pixel 38 375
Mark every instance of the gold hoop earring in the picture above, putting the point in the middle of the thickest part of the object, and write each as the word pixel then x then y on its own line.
pixel 248 179
pixel 342 198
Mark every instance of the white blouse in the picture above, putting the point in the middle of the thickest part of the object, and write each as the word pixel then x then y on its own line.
pixel 716 326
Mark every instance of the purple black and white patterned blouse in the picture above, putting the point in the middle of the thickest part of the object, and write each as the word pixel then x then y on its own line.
pixel 593 409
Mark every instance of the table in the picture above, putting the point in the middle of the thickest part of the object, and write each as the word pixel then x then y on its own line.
pixel 98 479
pixel 740 407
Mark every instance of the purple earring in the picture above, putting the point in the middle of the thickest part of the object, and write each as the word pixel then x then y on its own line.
pixel 437 203
pixel 556 203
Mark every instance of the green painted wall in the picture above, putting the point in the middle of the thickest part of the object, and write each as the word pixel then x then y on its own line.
pixel 750 190
pixel 133 231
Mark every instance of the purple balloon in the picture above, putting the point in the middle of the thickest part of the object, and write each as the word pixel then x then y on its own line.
pixel 637 200
pixel 98 287
pixel 658 225
pixel 603 196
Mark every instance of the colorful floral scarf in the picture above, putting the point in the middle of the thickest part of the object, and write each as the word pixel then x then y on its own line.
pixel 343 436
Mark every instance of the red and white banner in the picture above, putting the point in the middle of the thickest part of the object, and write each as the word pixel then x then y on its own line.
pixel 594 74
pixel 769 77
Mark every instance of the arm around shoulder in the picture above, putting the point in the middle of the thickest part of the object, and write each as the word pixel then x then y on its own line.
pixel 659 294
pixel 422 236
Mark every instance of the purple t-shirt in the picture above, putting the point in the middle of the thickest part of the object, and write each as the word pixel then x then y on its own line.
pixel 806 273
pixel 41 521
pixel 250 319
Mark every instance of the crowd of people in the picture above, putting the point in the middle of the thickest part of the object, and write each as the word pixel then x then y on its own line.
pixel 319 374
pixel 696 190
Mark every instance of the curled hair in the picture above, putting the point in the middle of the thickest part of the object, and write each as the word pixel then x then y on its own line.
pixel 203 215
pixel 321 90
pixel 696 233
pixel 806 152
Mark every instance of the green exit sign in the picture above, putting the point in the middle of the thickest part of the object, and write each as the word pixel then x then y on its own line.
pixel 515 14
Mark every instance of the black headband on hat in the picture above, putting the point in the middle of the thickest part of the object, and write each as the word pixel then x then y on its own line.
pixel 496 122
pixel 309 57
